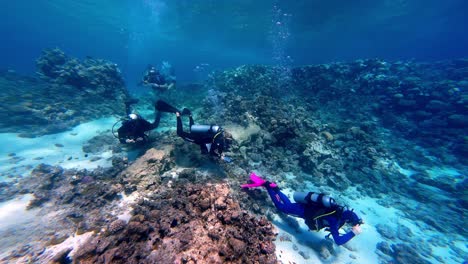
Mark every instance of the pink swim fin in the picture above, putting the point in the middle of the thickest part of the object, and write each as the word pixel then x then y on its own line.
pixel 257 182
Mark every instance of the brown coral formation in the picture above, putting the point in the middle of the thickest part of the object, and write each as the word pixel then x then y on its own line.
pixel 145 172
pixel 192 223
pixel 116 226
pixel 175 219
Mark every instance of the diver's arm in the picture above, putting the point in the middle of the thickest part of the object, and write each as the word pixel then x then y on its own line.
pixel 180 130
pixel 339 239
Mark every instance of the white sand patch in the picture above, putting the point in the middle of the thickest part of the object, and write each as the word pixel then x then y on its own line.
pixel 15 220
pixel 435 172
pixel 285 251
pixel 64 149
pixel 403 171
pixel 374 213
pixel 13 213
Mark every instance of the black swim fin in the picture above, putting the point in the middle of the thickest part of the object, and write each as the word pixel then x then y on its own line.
pixel 165 107
pixel 185 111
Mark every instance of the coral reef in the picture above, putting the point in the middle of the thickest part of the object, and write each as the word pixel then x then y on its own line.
pixel 67 93
pixel 424 102
pixel 335 125
pixel 176 217
pixel 186 224
pixel 331 126
pixel 97 74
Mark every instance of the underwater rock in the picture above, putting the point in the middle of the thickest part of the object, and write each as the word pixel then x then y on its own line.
pixel 386 231
pixel 7 191
pixel 90 72
pixel 116 226
pixel 69 92
pixel 443 183
pixel 306 255
pixel 51 62
pixel 178 230
pixel 403 253
pixel 99 143
pixel 384 252
pixel 404 233
pixel 44 179
pixel 145 171
pixel 327 135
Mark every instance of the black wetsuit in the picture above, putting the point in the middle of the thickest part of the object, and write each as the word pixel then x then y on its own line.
pixel 205 140
pixel 154 78
pixel 135 128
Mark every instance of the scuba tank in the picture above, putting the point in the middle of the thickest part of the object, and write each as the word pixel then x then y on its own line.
pixel 316 198
pixel 202 129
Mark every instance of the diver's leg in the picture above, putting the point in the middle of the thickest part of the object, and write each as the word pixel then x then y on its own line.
pixel 165 107
pixel 191 121
pixel 284 204
pixel 156 121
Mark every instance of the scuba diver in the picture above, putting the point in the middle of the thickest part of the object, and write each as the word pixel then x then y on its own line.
pixel 212 139
pixel 318 210
pixel 157 81
pixel 134 127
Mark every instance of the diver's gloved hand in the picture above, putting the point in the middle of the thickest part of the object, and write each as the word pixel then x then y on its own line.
pixel 258 182
pixel 356 230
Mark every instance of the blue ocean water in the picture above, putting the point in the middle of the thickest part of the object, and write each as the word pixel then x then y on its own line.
pixel 366 100
pixel 225 34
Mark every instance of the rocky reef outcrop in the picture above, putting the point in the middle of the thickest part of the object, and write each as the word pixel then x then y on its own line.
pixel 176 216
pixel 185 224
pixel 97 74
pixel 67 92
pixel 422 101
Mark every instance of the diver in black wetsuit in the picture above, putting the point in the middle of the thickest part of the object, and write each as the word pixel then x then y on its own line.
pixel 134 127
pixel 156 80
pixel 212 139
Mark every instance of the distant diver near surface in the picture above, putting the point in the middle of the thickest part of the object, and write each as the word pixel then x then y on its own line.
pixel 134 127
pixel 212 139
pixel 318 210
pixel 157 80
